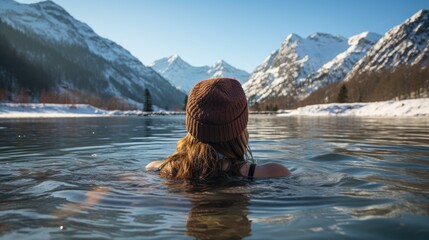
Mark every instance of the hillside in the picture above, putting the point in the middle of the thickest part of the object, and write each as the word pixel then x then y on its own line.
pixel 76 58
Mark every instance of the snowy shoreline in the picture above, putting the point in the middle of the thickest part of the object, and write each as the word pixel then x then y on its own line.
pixel 403 108
pixel 48 110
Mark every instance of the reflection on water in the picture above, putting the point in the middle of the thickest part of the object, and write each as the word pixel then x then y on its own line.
pixel 217 210
pixel 359 178
pixel 218 218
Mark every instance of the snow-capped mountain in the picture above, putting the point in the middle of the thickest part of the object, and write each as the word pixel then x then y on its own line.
pixel 224 69
pixel 407 43
pixel 337 69
pixel 184 76
pixel 285 71
pixel 110 69
pixel 180 73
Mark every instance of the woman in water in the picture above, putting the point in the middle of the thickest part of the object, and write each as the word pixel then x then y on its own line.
pixel 215 146
pixel 216 143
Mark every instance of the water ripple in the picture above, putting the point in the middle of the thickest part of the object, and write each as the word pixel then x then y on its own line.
pixel 352 178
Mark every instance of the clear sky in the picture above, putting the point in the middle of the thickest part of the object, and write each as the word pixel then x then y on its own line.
pixel 242 32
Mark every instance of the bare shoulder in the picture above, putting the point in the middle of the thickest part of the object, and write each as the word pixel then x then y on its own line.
pixel 271 170
pixel 154 165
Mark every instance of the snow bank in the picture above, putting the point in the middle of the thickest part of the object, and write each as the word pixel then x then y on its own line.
pixel 403 108
pixel 34 110
pixel 39 110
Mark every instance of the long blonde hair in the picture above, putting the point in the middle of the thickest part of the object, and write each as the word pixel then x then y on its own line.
pixel 197 160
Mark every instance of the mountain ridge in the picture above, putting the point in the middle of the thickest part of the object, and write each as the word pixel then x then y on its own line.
pixel 337 69
pixel 184 76
pixel 285 70
pixel 294 71
pixel 406 43
pixel 395 67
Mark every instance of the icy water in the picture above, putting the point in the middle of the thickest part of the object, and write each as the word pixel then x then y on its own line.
pixel 84 178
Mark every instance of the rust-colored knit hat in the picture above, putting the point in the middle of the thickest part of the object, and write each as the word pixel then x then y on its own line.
pixel 216 110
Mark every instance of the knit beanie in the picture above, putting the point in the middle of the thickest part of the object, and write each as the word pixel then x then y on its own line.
pixel 216 110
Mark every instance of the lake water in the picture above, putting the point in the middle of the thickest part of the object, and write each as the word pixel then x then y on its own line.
pixel 77 178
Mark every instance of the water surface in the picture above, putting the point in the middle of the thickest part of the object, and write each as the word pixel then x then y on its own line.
pixel 353 178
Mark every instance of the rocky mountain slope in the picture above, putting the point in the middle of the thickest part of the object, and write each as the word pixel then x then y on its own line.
pixel 395 67
pixel 303 64
pixel 407 43
pixel 337 69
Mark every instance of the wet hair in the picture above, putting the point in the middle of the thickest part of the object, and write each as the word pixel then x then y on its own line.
pixel 197 160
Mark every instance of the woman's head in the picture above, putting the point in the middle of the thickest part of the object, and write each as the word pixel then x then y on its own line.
pixel 217 138
pixel 216 110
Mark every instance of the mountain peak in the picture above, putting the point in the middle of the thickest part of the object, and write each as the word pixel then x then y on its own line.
pixel 417 23
pixel 293 37
pixel 50 5
pixel 165 65
pixel 47 3
pixel 323 37
pixel 416 26
pixel 423 13
pixel 320 35
pixel 174 58
pixel 369 37
pixel 221 62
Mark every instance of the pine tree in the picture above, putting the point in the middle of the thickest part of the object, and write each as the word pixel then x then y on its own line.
pixel 148 101
pixel 185 103
pixel 342 95
pixel 256 106
pixel 275 108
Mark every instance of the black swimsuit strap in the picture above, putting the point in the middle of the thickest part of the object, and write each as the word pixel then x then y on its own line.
pixel 251 171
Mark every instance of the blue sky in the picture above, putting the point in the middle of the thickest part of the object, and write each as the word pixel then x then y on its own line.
pixel 242 32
